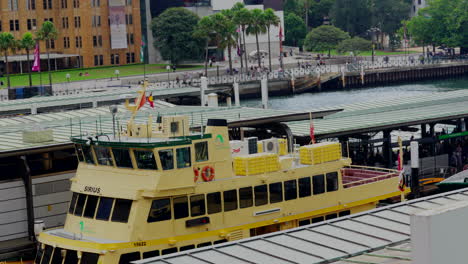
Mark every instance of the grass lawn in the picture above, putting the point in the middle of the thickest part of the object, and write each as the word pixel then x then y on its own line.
pixel 369 53
pixel 93 73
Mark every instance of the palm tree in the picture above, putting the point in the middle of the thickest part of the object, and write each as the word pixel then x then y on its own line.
pixel 243 17
pixel 28 43
pixel 257 26
pixel 225 31
pixel 47 33
pixel 270 20
pixel 7 41
pixel 204 30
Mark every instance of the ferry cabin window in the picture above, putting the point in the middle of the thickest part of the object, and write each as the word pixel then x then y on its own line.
pixel 72 203
pixel 183 158
pixel 80 204
pixel 318 183
pixel 121 210
pixel 79 152
pixel 206 244
pixel 220 241
pixel 89 258
pixel 91 206
pixel 304 222
pixel 169 251
pixel 304 187
pixel 104 209
pixel 331 216
pixel 57 257
pixel 181 207
pixel 230 200
pixel 150 254
pixel 128 257
pixel 201 151
pixel 344 213
pixel 39 254
pixel 276 192
pixel 47 254
pixel 145 160
pixel 88 154
pixel 71 257
pixel 317 219
pixel 103 156
pixel 332 181
pixel 167 159
pixel 290 190
pixel 189 247
pixel 261 195
pixel 160 210
pixel 245 197
pixel 122 158
pixel 197 205
pixel 213 201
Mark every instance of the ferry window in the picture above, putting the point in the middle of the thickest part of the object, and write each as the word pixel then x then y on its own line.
pixel 79 152
pixel 122 158
pixel 304 187
pixel 201 151
pixel 90 206
pixel 71 257
pixel 230 200
pixel 160 210
pixel 276 192
pixel 150 254
pixel 332 181
pixel 167 159
pixel 213 201
pixel 304 222
pixel 145 160
pixel 128 257
pixel 89 258
pixel 103 156
pixel 47 254
pixel 121 210
pixel 197 205
pixel 169 251
pixel 245 197
pixel 317 219
pixel 318 184
pixel 220 241
pixel 181 207
pixel 331 216
pixel 344 213
pixel 104 209
pixel 57 257
pixel 206 244
pixel 261 195
pixel 290 190
pixel 72 203
pixel 88 154
pixel 183 158
pixel 80 204
pixel 186 247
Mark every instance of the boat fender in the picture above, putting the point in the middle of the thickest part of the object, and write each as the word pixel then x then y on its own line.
pixel 196 173
pixel 208 173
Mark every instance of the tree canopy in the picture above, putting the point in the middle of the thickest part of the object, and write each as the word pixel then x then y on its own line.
pixel 352 16
pixel 324 38
pixel 355 45
pixel 173 31
pixel 295 30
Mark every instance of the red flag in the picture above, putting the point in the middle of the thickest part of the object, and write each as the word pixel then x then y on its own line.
pixel 142 101
pixel 312 134
pixel 401 183
pixel 151 100
pixel 37 59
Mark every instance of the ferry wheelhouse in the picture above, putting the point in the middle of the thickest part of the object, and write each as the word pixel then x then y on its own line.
pixel 152 189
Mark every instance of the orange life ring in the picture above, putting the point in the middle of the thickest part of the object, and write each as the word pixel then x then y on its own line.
pixel 208 173
pixel 195 174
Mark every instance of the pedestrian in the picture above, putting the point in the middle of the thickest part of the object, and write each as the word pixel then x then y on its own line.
pixel 210 62
pixel 174 68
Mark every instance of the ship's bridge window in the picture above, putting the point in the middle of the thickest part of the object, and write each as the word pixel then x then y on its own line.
pixel 103 156
pixel 201 151
pixel 121 210
pixel 104 208
pixel 57 257
pixel 72 203
pixel 47 254
pixel 129 257
pixel 332 181
pixel 88 154
pixel 160 210
pixel 89 258
pixel 167 159
pixel 183 158
pixel 71 257
pixel 90 209
pixel 318 184
pixel 79 152
pixel 80 204
pixel 145 159
pixel 122 158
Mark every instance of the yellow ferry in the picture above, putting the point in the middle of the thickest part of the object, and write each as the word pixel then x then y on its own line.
pixel 152 189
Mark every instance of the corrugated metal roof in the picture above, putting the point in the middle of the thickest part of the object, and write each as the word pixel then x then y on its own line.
pixel 383 231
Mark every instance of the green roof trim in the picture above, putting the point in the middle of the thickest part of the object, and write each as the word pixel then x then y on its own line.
pixel 454 135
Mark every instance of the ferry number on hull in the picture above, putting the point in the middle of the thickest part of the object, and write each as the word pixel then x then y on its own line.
pixel 139 244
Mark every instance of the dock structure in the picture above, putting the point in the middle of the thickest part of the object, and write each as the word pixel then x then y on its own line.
pixel 378 236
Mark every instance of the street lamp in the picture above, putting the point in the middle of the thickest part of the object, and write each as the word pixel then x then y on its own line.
pixel 168 68
pixel 217 69
pixel 372 32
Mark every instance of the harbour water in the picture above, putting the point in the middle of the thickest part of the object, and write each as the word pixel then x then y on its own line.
pixel 335 98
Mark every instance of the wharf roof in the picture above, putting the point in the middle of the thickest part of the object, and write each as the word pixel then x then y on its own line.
pixel 378 236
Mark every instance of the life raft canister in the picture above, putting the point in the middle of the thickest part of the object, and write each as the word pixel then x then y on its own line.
pixel 208 173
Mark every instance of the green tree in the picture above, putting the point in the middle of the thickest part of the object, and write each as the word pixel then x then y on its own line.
pixel 243 18
pixel 293 7
pixel 173 35
pixel 318 10
pixel 203 30
pixel 270 20
pixel 28 43
pixel 225 34
pixel 352 16
pixel 47 33
pixel 294 29
pixel 387 16
pixel 257 26
pixel 355 45
pixel 324 38
pixel 7 41
pixel 420 30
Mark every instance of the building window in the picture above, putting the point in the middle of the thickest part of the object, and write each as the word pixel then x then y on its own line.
pixel 14 25
pixel 129 19
pixel 49 19
pixel 128 57
pixel 0 25
pixel 96 21
pixel 98 60
pixel 65 22
pixel 129 2
pixel 31 4
pixel 101 59
pixel 94 41
pixel 77 22
pixel 64 3
pixel 78 42
pixel 12 5
pixel 47 4
pixel 50 44
pixel 66 42
pixel 31 23
pixel 76 3
pixel 95 3
pixel 130 39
